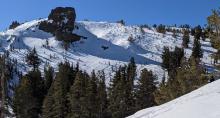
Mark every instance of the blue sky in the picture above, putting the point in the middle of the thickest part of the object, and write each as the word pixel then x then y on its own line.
pixel 132 11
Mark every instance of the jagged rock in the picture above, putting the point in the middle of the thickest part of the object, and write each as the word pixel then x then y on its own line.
pixel 60 23
pixel 14 24
pixel 63 17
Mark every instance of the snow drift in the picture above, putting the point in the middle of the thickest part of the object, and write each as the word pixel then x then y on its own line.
pixel 201 103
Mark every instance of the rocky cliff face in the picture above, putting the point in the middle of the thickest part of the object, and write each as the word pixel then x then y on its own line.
pixel 61 23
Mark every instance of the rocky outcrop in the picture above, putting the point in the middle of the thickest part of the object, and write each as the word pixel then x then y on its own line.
pixel 60 23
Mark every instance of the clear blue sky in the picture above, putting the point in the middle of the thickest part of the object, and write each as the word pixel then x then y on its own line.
pixel 132 11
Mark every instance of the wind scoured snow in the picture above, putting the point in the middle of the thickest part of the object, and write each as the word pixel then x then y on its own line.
pixel 146 48
pixel 201 103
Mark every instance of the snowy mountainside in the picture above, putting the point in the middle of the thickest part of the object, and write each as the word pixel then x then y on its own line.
pixel 146 48
pixel 201 103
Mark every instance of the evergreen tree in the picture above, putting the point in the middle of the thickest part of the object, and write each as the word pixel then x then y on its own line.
pixel 78 97
pixel 47 108
pixel 162 95
pixel 197 51
pixel 25 104
pixel 122 22
pixel 102 96
pixel 37 85
pixel 198 32
pixel 57 106
pixel 131 71
pixel 48 77
pixel 145 90
pixel 121 99
pixel 174 33
pixel 6 72
pixel 161 29
pixel 186 38
pixel 189 76
pixel 32 59
pixel 177 56
pixel 172 60
pixel 166 58
pixel 116 102
pixel 92 96
pixel 29 96
pixel 130 76
pixel 214 28
pixel 56 103
pixel 192 31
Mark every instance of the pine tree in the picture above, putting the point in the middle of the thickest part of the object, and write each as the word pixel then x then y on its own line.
pixel 92 96
pixel 198 32
pixel 189 76
pixel 131 71
pixel 37 85
pixel 171 60
pixel 162 94
pixel 25 104
pixel 177 56
pixel 166 58
pixel 48 76
pixel 114 98
pixel 186 38
pixel 192 31
pixel 56 103
pixel 29 96
pixel 214 28
pixel 197 51
pixel 102 96
pixel 5 76
pixel 161 29
pixel 129 87
pixel 145 90
pixel 174 33
pixel 57 106
pixel 32 58
pixel 77 97
pixel 120 98
pixel 47 108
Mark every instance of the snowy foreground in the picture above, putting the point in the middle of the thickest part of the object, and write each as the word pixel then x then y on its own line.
pixel 201 103
pixel 146 48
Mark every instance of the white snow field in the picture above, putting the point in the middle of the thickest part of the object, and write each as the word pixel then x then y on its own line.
pixel 201 103
pixel 146 48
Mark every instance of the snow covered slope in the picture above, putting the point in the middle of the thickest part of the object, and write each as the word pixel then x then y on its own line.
pixel 201 103
pixel 146 48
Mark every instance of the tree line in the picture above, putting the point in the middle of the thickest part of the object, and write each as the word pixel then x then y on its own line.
pixel 73 93
pixel 184 74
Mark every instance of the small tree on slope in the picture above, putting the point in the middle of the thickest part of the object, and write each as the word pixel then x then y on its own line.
pixel 32 59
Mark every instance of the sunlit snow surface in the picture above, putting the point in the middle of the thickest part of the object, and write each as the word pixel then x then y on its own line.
pixel 146 49
pixel 201 103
